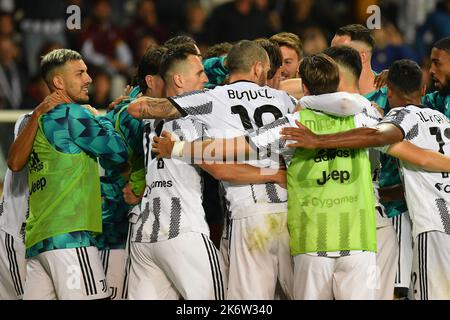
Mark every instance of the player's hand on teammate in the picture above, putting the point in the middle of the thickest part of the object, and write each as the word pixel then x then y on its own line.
pixel 113 104
pixel 91 109
pixel 376 106
pixel 126 95
pixel 163 145
pixel 129 196
pixel 303 137
pixel 51 101
pixel 381 79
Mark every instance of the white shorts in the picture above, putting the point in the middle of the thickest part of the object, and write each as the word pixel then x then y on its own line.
pixel 66 274
pixel 402 224
pixel 352 277
pixel 225 243
pixel 188 265
pixel 387 257
pixel 259 256
pixel 431 266
pixel 113 261
pixel 127 261
pixel 12 267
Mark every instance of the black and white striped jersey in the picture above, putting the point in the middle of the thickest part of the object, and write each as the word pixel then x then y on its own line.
pixel 427 193
pixel 172 201
pixel 234 110
pixel 14 203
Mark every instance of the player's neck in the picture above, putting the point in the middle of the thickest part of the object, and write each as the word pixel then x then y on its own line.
pixel 366 81
pixel 349 85
pixel 242 76
pixel 171 92
pixel 410 101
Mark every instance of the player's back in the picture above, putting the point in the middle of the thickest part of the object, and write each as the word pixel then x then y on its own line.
pixel 427 193
pixel 234 110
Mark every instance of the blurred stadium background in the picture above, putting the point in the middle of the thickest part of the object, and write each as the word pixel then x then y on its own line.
pixel 114 34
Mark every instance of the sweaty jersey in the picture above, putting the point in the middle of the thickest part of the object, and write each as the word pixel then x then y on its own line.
pixel 172 201
pixel 427 193
pixel 14 202
pixel 234 110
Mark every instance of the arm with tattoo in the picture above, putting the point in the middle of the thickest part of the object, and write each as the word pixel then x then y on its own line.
pixel 153 108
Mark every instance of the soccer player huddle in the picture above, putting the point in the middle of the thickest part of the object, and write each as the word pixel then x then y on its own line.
pixel 333 182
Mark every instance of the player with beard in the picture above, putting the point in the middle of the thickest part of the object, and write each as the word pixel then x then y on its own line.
pixel 440 75
pixel 65 202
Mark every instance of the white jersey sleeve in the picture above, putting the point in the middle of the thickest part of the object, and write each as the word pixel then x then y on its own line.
pixel 337 103
pixel 427 193
pixel 401 118
pixel 292 103
pixel 14 203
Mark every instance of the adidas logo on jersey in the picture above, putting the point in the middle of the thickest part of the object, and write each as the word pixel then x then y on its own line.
pixel 35 164
pixel 441 187
pixel 331 154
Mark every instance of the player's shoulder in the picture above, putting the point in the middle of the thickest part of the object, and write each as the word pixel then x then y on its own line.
pixel 66 111
pixel 184 128
pixel 405 109
pixel 194 93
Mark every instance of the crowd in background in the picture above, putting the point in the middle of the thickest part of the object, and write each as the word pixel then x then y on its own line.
pixel 114 34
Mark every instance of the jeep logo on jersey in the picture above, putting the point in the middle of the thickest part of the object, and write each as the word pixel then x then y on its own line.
pixel 34 163
pixel 441 187
pixel 335 175
pixel 331 154
pixel 38 185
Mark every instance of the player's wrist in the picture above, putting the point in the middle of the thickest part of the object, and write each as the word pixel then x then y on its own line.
pixel 177 149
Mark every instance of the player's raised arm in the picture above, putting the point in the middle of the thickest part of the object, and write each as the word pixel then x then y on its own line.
pixel 153 108
pixel 20 149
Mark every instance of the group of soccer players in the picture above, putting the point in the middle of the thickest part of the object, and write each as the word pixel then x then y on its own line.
pixel 310 212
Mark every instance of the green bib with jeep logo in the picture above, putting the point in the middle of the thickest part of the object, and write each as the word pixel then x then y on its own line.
pixel 331 203
pixel 64 192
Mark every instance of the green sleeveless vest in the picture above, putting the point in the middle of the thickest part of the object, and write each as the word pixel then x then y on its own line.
pixel 64 192
pixel 331 201
pixel 136 162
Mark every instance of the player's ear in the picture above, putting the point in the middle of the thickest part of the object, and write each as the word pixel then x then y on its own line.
pixel 423 91
pixel 149 81
pixel 390 92
pixel 363 55
pixel 58 82
pixel 256 69
pixel 178 80
pixel 305 90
